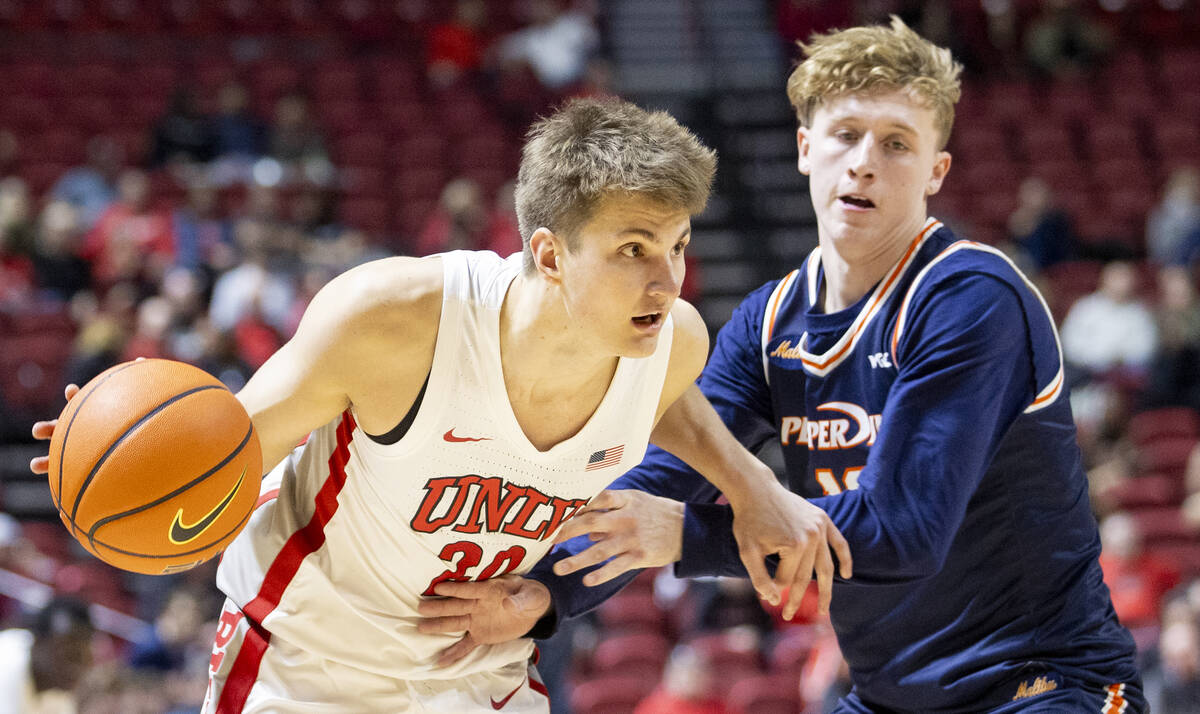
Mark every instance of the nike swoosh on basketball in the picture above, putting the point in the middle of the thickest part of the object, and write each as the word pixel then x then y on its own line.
pixel 181 533
pixel 449 436
pixel 500 704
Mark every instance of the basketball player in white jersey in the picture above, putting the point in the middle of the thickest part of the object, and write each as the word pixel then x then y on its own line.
pixel 458 409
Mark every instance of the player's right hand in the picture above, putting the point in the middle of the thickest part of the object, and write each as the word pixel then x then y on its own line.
pixel 490 611
pixel 43 430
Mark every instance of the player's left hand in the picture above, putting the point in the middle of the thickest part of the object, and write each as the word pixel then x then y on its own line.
pixel 491 611
pixel 632 528
pixel 779 521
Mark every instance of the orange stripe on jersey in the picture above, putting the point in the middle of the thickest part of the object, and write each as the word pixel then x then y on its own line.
pixel 879 296
pixel 956 245
pixel 1114 703
pixel 780 293
pixel 1055 388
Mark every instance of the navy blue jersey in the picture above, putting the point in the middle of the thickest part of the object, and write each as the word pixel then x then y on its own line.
pixel 931 422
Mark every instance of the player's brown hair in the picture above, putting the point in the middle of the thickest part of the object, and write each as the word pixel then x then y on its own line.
pixel 591 148
pixel 873 58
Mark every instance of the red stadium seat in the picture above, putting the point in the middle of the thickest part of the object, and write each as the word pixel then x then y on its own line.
pixel 1145 427
pixel 631 654
pixel 1169 454
pixel 1162 524
pixel 729 653
pixel 336 83
pixel 1041 138
pixel 610 695
pixel 1184 556
pixel 792 651
pixel 631 612
pixel 767 694
pixel 1148 491
pixel 364 148
pixel 367 214
pixel 1071 100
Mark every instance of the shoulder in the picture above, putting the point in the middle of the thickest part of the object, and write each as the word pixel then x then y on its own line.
pixel 689 341
pixel 378 307
pixel 385 290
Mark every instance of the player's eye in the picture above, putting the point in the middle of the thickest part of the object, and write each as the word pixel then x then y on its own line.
pixel 846 136
pixel 632 250
pixel 898 146
pixel 678 249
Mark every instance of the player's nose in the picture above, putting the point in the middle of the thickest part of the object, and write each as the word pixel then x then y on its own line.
pixel 863 157
pixel 666 277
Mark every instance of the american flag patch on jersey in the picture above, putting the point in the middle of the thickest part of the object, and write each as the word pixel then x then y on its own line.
pixel 605 457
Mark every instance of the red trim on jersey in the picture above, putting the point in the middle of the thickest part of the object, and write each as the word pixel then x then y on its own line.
pixel 266 497
pixel 300 545
pixel 539 687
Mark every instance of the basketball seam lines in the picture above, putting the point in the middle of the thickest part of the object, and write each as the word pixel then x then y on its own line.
pixel 67 434
pixel 117 442
pixel 108 519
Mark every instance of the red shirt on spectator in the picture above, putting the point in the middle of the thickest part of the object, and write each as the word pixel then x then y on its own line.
pixel 1137 586
pixel 122 235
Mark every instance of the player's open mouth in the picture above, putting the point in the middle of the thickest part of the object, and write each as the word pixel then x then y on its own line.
pixel 648 320
pixel 857 201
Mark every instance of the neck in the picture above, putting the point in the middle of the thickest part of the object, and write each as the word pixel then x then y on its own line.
pixel 849 277
pixel 542 350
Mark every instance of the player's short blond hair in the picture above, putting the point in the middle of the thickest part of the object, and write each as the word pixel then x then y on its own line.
pixel 870 58
pixel 591 148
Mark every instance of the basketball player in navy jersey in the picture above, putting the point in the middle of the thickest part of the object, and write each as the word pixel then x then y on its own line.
pixel 458 409
pixel 915 382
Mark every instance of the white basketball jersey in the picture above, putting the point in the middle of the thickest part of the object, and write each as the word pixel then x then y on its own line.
pixel 337 563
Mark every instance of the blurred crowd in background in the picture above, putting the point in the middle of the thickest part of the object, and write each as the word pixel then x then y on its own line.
pixel 197 226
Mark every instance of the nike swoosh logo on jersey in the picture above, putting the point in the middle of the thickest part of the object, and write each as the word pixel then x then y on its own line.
pixel 449 436
pixel 181 533
pixel 500 704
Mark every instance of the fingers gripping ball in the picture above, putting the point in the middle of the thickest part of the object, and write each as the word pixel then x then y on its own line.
pixel 154 466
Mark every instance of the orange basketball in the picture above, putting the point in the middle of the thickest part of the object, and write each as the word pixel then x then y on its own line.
pixel 154 466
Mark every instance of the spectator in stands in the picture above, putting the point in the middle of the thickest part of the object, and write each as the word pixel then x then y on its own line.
pixel 237 133
pixel 1175 372
pixel 455 48
pixel 254 289
pixel 183 134
pixel 689 686
pixel 825 678
pixel 1040 229
pixel 1172 675
pixel 295 138
pixel 458 222
pixel 1111 329
pixel 1062 42
pixel 556 45
pixel 149 337
pixel 203 236
pixel 1173 227
pixel 59 270
pixel 16 268
pixel 132 240
pixel 168 643
pixel 92 187
pixel 1191 501
pixel 503 237
pixel 16 221
pixel 40 666
pixel 311 211
pixel 1137 580
pixel 103 327
pixel 726 603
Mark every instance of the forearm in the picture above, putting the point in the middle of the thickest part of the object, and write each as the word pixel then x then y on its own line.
pixel 692 431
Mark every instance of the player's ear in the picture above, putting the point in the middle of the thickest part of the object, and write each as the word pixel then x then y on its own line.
pixel 941 166
pixel 546 247
pixel 802 146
